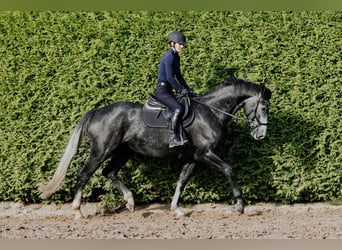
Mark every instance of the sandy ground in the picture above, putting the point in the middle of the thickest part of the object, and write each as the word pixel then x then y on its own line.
pixel 155 221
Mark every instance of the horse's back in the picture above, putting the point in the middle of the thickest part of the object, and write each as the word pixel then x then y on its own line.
pixel 115 117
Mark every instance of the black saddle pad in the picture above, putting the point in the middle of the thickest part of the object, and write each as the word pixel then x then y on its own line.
pixel 157 115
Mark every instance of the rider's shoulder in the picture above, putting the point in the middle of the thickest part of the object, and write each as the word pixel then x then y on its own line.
pixel 169 55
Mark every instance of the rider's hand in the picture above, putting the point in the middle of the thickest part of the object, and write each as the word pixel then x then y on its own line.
pixel 188 92
pixel 185 92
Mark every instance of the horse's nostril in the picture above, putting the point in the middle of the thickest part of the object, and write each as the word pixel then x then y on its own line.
pixel 259 137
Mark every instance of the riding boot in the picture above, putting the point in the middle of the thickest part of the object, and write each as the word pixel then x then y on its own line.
pixel 182 135
pixel 175 139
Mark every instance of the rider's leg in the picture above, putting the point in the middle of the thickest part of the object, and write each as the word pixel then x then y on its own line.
pixel 169 100
pixel 175 138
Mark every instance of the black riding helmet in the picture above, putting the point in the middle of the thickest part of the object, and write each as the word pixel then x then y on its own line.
pixel 177 37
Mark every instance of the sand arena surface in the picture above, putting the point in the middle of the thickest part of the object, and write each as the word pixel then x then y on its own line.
pixel 156 221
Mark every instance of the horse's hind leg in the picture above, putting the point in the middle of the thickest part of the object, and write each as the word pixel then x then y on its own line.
pixel 119 158
pixel 82 178
pixel 182 180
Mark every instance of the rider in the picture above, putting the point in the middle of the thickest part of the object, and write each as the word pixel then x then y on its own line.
pixel 169 69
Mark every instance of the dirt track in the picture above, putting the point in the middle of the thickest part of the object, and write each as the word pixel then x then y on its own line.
pixel 155 221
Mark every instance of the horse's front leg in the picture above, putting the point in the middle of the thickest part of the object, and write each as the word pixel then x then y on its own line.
pixel 211 159
pixel 182 180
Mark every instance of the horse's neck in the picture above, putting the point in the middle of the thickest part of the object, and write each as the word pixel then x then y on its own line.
pixel 229 103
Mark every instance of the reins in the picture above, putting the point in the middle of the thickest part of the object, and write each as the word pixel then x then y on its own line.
pixel 221 111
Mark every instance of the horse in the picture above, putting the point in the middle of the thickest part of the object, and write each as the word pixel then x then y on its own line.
pixel 117 132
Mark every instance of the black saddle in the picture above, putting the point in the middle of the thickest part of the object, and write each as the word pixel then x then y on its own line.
pixel 157 115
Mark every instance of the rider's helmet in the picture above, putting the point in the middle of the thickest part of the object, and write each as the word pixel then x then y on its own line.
pixel 177 37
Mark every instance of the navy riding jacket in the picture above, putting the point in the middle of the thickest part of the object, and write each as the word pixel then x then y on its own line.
pixel 169 68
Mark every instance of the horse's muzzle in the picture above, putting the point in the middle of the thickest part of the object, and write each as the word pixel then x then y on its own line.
pixel 259 133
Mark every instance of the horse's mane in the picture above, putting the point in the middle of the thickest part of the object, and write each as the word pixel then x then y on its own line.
pixel 242 85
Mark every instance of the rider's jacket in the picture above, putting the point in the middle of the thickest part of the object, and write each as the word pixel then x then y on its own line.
pixel 169 68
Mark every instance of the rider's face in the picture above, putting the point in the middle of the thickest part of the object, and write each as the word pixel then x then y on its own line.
pixel 178 47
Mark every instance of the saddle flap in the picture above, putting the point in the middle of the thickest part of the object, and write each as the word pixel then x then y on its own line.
pixel 153 109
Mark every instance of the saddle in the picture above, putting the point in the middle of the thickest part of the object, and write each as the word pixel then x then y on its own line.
pixel 157 115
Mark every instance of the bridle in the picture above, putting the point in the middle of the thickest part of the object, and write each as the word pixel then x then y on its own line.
pixel 255 117
pixel 249 121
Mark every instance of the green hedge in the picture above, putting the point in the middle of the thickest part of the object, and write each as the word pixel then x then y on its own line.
pixel 55 66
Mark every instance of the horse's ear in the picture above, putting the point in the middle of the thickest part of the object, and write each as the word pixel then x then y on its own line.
pixel 273 89
pixel 262 89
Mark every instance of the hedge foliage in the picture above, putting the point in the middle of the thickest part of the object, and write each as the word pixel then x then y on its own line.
pixel 55 66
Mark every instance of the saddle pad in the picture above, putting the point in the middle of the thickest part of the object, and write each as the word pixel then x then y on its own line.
pixel 156 119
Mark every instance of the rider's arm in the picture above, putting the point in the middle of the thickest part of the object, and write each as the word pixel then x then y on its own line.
pixel 172 69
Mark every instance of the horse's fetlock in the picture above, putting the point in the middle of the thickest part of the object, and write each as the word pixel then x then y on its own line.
pixel 173 207
pixel 239 206
pixel 128 196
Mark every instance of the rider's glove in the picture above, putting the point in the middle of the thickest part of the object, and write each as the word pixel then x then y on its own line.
pixel 185 92
pixel 188 92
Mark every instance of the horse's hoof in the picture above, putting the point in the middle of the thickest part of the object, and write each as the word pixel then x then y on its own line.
pixel 78 215
pixel 130 206
pixel 240 207
pixel 179 212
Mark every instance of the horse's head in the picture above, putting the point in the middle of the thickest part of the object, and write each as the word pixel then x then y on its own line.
pixel 237 93
pixel 256 109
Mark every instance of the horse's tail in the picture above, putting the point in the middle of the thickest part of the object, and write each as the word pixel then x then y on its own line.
pixel 56 182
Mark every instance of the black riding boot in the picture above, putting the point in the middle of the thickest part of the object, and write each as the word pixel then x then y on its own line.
pixel 175 138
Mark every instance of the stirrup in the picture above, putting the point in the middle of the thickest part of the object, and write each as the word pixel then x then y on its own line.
pixel 173 144
pixel 184 138
pixel 175 141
